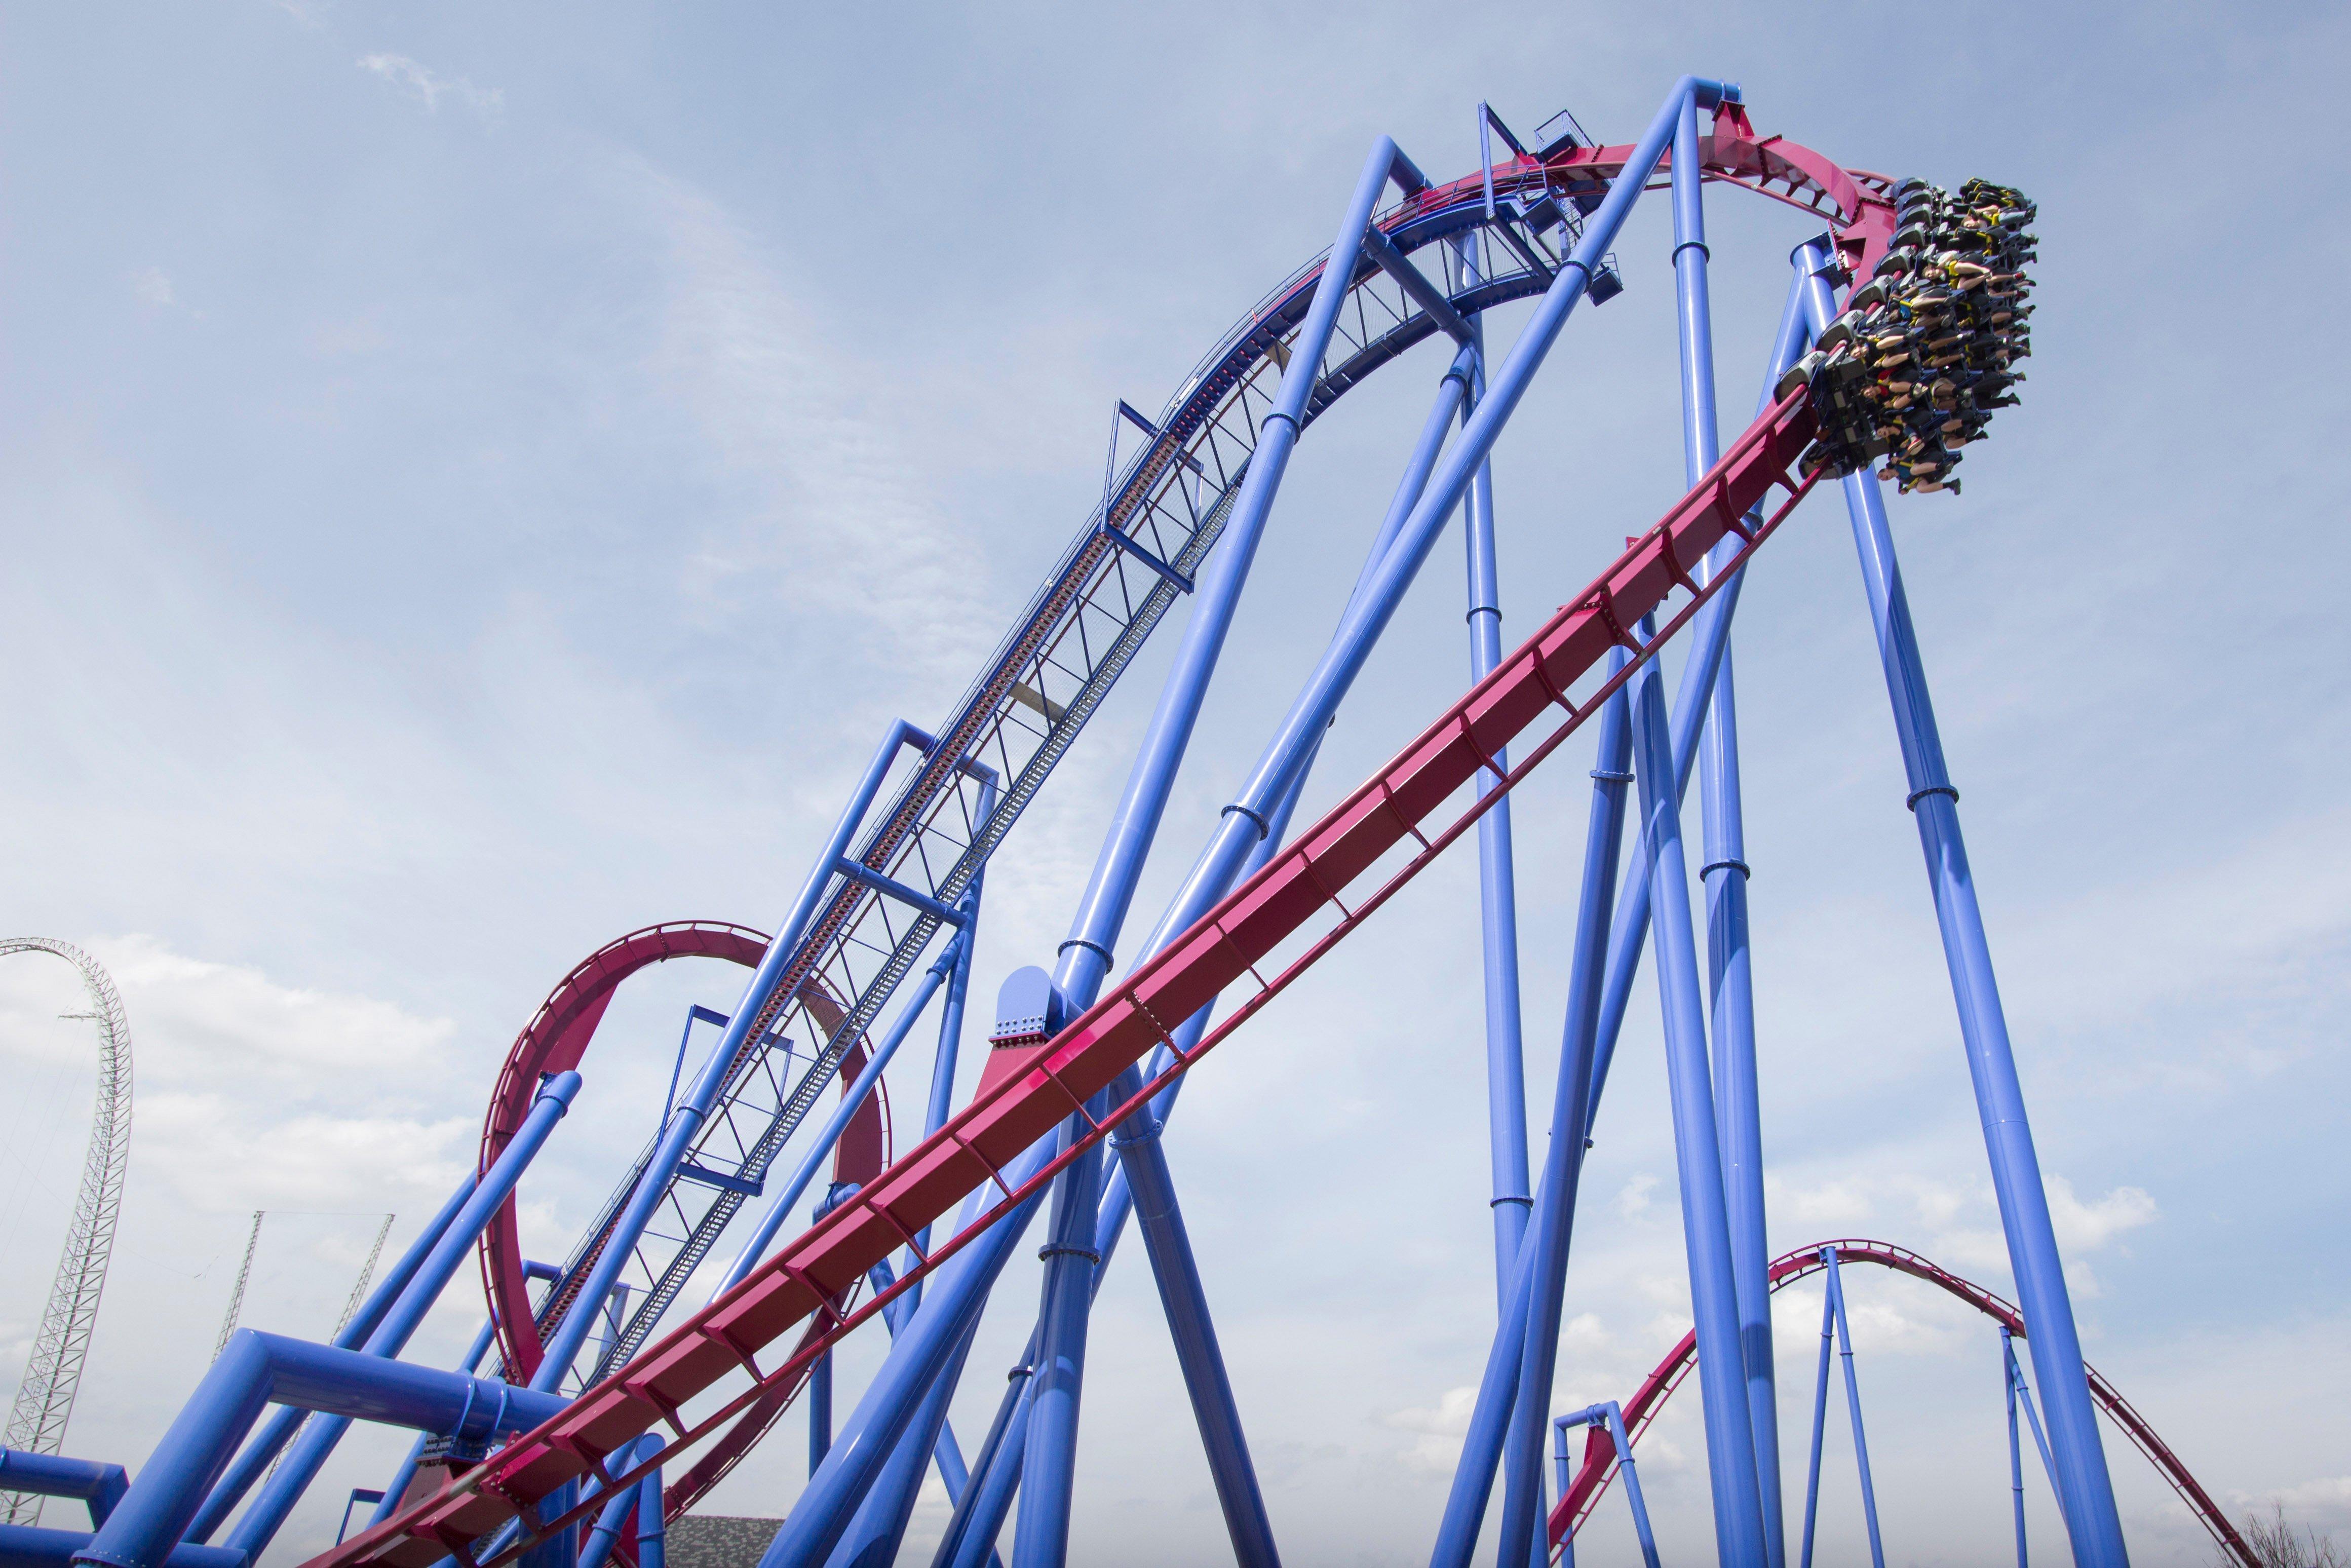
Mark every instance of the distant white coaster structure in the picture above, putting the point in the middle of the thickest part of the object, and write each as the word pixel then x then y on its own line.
pixel 37 1423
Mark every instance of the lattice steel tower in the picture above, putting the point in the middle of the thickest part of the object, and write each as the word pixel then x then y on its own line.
pixel 45 1398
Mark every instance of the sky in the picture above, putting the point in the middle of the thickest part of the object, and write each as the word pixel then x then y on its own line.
pixel 479 480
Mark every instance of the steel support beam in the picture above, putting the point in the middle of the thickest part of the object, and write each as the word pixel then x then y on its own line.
pixel 2083 1482
pixel 255 1461
pixel 164 1498
pixel 1697 1153
pixel 1585 1040
pixel 1499 1389
pixel 920 1357
pixel 1498 899
pixel 1739 1122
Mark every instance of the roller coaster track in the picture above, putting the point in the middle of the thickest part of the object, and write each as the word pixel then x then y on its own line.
pixel 1599 1466
pixel 557 1040
pixel 45 1398
pixel 1110 588
pixel 1027 1091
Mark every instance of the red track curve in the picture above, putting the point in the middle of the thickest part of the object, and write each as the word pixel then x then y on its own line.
pixel 1027 1092
pixel 555 1041
pixel 1599 1454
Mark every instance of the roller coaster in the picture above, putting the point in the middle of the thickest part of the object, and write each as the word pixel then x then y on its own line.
pixel 648 1361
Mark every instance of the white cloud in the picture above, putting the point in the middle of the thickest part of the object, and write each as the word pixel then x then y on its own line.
pixel 2087 1227
pixel 1634 1199
pixel 430 86
pixel 253 1094
pixel 1437 1430
pixel 831 521
pixel 2322 1504
pixel 153 285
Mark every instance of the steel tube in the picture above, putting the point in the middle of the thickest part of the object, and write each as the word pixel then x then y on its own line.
pixel 1086 958
pixel 1049 1454
pixel 256 1369
pixel 1852 1408
pixel 100 1485
pixel 1624 1444
pixel 30 1546
pixel 310 1450
pixel 1174 1268
pixel 1498 900
pixel 1184 1299
pixel 878 1528
pixel 2032 1417
pixel 255 1461
pixel 1693 700
pixel 1589 1031
pixel 854 1098
pixel 1705 1226
pixel 2015 1453
pixel 1048 1462
pixel 1315 704
pixel 1536 1352
pixel 2084 1485
pixel 1723 870
pixel 397 1488
pixel 1820 1425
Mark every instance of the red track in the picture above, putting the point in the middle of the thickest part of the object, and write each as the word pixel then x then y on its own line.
pixel 1600 1455
pixel 555 1041
pixel 1047 1082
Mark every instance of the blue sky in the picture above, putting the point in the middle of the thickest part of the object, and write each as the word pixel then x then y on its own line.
pixel 477 480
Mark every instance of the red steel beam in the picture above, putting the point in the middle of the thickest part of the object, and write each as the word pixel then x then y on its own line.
pixel 1026 1097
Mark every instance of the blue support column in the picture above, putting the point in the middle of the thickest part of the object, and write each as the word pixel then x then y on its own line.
pixel 1499 1390
pixel 1852 1408
pixel 1591 1029
pixel 2032 1417
pixel 2015 1453
pixel 1820 1425
pixel 1142 1168
pixel 879 1526
pixel 1498 900
pixel 1049 1457
pixel 819 1411
pixel 1737 1111
pixel 1706 1225
pixel 2083 1485
pixel 920 1355
pixel 1543 1281
pixel 1693 700
pixel 255 1461
pixel 318 1438
pixel 1049 1463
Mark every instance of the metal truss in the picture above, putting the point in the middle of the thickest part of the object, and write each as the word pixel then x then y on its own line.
pixel 44 1399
